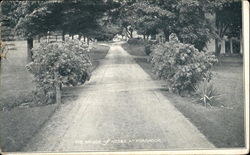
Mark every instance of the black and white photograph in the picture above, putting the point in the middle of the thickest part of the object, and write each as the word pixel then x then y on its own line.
pixel 124 76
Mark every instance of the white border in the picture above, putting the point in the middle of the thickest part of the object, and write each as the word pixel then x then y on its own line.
pixel 245 150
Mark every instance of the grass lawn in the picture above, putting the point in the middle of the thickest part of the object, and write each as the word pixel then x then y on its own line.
pixel 19 124
pixel 222 124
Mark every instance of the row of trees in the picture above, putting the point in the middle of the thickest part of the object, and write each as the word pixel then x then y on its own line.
pixel 189 19
pixel 32 19
pixel 103 19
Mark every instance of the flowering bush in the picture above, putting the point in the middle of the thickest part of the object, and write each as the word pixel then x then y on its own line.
pixel 182 65
pixel 60 63
pixel 148 46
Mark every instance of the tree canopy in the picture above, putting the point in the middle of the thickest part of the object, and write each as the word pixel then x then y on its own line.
pixel 186 18
pixel 102 18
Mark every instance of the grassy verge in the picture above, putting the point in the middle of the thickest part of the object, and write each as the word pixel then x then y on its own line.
pixel 19 123
pixel 16 84
pixel 222 124
pixel 97 53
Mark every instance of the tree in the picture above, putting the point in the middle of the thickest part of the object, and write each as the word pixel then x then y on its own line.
pixel 228 22
pixel 7 20
pixel 125 16
pixel 34 19
pixel 81 16
pixel 150 17
pixel 192 25
pixel 187 18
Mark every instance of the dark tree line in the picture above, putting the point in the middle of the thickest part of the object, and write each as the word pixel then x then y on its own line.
pixel 30 19
pixel 103 19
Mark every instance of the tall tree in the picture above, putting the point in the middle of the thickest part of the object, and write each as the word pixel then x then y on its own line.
pixel 81 16
pixel 8 21
pixel 34 19
pixel 228 22
pixel 187 18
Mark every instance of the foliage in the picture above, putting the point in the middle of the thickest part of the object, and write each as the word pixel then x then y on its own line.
pixel 207 93
pixel 142 16
pixel 189 19
pixel 8 21
pixel 228 22
pixel 135 41
pixel 34 19
pixel 3 50
pixel 182 65
pixel 64 63
pixel 149 44
pixel 229 18
pixel 104 32
pixel 81 16
pixel 192 25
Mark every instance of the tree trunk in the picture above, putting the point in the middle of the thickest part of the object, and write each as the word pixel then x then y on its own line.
pixel 48 37
pixel 131 33
pixel 231 46
pixel 39 39
pixel 72 37
pixel 29 49
pixel 58 94
pixel 166 35
pixel 144 37
pixel 217 46
pixel 63 37
pixel 153 37
pixel 79 37
pixel 87 40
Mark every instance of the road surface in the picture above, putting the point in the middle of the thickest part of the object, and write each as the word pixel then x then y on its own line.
pixel 120 108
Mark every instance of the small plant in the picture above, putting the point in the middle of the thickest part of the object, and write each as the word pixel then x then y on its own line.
pixel 207 93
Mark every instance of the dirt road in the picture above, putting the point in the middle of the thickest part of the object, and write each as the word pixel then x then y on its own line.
pixel 120 108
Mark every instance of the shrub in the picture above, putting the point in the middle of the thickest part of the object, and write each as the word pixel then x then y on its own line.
pixel 207 93
pixel 182 65
pixel 146 43
pixel 59 63
pixel 148 46
pixel 135 41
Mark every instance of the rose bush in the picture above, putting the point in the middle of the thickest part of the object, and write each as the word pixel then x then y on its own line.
pixel 182 65
pixel 57 64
